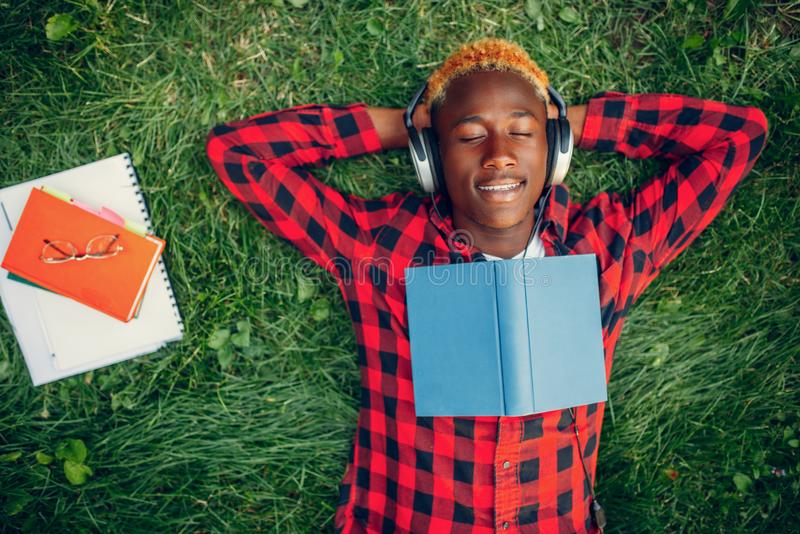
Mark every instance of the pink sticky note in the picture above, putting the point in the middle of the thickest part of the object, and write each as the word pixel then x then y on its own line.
pixel 83 206
pixel 111 216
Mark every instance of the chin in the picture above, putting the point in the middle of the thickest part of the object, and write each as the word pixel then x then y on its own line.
pixel 501 223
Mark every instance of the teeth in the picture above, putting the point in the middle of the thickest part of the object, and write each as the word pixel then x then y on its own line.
pixel 504 187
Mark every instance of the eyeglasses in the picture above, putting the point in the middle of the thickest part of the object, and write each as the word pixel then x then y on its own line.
pixel 98 248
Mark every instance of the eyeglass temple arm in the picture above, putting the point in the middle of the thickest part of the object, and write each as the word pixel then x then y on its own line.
pixel 48 242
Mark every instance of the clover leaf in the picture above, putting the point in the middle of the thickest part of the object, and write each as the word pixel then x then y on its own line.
pixel 59 26
pixel 10 456
pixel 219 338
pixel 43 458
pixel 742 482
pixel 77 473
pixel 73 450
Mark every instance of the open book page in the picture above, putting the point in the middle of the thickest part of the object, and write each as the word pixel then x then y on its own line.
pixel 455 352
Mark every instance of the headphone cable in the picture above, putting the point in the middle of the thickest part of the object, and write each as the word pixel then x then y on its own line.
pixel 433 199
pixel 595 509
pixel 542 201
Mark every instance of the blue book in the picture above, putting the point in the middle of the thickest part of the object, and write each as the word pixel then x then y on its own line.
pixel 505 337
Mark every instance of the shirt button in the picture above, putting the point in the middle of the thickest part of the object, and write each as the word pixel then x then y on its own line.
pixel 506 464
pixel 506 524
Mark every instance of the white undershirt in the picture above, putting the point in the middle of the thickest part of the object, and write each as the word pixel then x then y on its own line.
pixel 535 250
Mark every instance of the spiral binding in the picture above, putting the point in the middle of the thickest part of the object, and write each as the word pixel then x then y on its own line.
pixel 162 266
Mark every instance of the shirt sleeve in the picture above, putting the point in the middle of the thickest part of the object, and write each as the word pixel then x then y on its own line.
pixel 708 147
pixel 263 161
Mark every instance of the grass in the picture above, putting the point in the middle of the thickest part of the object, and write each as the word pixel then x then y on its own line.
pixel 704 391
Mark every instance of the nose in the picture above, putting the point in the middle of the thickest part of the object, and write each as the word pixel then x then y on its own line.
pixel 498 154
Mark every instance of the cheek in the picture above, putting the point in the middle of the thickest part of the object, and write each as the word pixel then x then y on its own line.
pixel 457 165
pixel 534 164
pixel 453 156
pixel 536 157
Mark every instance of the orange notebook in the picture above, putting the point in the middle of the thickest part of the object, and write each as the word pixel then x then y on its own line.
pixel 112 285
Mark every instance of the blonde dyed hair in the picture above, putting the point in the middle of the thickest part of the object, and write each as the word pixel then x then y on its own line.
pixel 488 54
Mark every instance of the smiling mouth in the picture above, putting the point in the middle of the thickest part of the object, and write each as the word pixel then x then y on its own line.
pixel 500 187
pixel 501 192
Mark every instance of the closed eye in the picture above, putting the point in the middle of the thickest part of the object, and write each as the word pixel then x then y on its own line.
pixel 524 134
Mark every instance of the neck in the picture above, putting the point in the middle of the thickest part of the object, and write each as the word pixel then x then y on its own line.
pixel 501 242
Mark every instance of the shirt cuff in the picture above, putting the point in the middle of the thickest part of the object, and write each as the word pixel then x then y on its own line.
pixel 351 130
pixel 606 121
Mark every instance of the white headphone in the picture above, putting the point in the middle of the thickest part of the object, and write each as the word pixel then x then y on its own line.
pixel 424 146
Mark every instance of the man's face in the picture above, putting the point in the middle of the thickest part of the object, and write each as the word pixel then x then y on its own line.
pixel 491 132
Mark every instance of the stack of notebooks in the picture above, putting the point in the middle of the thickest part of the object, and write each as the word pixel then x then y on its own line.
pixel 76 316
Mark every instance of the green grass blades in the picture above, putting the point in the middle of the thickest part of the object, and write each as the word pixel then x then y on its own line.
pixel 246 425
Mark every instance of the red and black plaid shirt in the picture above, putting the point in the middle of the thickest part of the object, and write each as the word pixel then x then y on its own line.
pixel 479 474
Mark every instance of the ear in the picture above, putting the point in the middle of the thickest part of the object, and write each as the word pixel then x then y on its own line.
pixel 551 110
pixel 433 117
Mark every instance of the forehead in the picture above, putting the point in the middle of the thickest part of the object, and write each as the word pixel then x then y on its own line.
pixel 479 92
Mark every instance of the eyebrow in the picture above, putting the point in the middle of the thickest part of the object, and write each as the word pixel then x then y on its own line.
pixel 478 118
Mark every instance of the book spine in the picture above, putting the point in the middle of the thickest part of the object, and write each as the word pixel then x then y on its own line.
pixel 498 348
pixel 514 341
pixel 162 266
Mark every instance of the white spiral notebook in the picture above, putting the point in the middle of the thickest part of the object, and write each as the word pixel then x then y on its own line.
pixel 60 337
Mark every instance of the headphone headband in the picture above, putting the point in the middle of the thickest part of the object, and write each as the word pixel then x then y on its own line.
pixel 559 101
pixel 413 136
pixel 565 134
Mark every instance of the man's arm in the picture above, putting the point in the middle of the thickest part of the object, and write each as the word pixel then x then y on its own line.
pixel 389 125
pixel 262 160
pixel 710 147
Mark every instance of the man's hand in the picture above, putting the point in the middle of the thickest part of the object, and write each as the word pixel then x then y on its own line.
pixel 576 115
pixel 422 117
pixel 389 124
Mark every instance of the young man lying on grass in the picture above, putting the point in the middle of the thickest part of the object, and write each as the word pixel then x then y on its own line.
pixel 489 105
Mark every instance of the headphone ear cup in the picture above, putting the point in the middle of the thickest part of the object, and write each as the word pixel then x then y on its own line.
pixel 552 150
pixel 431 144
pixel 423 167
pixel 563 154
